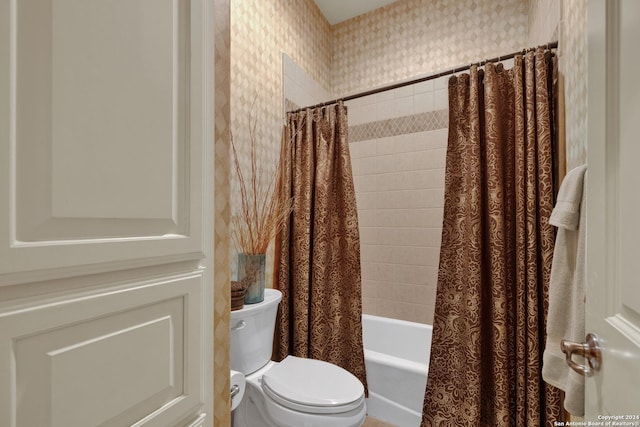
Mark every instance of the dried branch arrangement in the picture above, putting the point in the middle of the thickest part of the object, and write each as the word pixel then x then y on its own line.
pixel 263 211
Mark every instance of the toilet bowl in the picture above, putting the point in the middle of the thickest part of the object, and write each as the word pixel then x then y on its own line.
pixel 296 392
pixel 280 395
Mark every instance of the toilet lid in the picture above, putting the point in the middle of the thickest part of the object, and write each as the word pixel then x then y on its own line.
pixel 313 386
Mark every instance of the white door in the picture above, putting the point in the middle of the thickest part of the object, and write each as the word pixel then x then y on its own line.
pixel 613 215
pixel 106 196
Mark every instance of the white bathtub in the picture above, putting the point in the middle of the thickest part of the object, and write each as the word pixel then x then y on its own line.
pixel 396 356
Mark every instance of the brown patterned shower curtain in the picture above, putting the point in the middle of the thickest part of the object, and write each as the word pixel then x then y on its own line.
pixel 318 249
pixel 497 245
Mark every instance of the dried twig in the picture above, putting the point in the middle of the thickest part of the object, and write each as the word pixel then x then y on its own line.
pixel 263 211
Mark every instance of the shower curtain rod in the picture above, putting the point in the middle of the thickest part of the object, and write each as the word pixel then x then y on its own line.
pixel 552 45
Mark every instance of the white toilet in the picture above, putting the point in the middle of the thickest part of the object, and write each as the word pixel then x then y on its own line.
pixel 296 392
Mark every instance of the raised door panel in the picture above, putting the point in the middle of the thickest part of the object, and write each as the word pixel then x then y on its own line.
pixel 101 137
pixel 106 186
pixel 128 355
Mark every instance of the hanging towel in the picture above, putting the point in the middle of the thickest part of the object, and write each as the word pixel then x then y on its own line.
pixel 565 318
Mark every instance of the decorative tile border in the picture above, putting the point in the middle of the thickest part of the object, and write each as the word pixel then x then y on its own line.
pixel 421 122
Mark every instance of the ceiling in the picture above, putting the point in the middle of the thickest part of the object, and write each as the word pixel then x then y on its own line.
pixel 340 10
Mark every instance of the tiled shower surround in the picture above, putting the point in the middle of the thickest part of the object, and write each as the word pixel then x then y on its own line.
pixel 398 143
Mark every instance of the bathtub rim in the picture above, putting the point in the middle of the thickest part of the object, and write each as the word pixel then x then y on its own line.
pixel 396 362
pixel 397 321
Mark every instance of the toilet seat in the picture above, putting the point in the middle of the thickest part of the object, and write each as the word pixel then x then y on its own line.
pixel 312 386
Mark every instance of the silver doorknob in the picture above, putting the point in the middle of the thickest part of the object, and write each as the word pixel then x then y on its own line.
pixel 590 350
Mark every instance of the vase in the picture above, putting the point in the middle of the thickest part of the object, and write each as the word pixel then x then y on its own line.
pixel 251 273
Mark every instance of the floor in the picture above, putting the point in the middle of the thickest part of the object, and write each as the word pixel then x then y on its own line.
pixel 374 422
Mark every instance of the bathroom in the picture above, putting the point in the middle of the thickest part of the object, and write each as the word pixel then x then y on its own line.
pixel 119 191
pixel 302 60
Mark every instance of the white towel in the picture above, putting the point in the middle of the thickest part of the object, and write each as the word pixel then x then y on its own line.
pixel 567 289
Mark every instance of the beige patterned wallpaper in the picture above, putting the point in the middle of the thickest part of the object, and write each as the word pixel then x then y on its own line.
pixel 261 31
pixel 222 303
pixel 566 21
pixel 573 66
pixel 413 37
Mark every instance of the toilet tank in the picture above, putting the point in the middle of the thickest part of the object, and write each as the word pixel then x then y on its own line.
pixel 252 333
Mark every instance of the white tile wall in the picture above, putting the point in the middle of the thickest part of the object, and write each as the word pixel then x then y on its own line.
pixel 404 101
pixel 299 87
pixel 544 17
pixel 399 183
